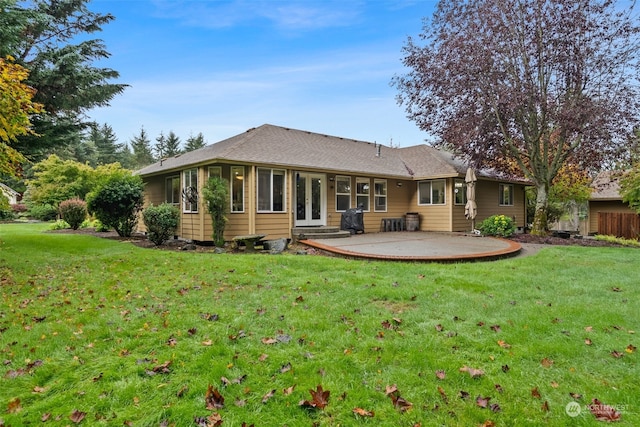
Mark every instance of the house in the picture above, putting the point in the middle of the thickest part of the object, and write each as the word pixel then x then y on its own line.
pixel 11 195
pixel 608 214
pixel 281 178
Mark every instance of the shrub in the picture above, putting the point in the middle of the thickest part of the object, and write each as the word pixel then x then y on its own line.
pixel 117 203
pixel 59 225
pixel 43 212
pixel 161 222
pixel 498 225
pixel 5 208
pixel 19 208
pixel 216 196
pixel 73 211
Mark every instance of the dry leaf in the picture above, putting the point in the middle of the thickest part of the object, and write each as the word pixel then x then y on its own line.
pixel 400 403
pixel 503 344
pixel 603 412
pixel 546 362
pixel 287 391
pixel 617 354
pixel 588 341
pixel 482 402
pixel 213 399
pixel 14 406
pixel 474 373
pixel 268 396
pixel 363 412
pixel 535 393
pixel 545 406
pixel 77 416
pixel 495 328
pixel 630 348
pixel 319 398
pixel 443 395
pixel 269 341
pixel 440 374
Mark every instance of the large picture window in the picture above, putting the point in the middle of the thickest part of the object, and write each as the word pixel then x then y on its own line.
pixel 190 190
pixel 237 189
pixel 431 192
pixel 343 193
pixel 460 192
pixel 380 195
pixel 271 188
pixel 506 194
pixel 172 187
pixel 363 189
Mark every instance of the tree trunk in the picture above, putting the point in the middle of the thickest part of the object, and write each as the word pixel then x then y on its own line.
pixel 539 226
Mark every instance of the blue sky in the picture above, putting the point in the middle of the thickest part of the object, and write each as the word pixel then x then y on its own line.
pixel 222 67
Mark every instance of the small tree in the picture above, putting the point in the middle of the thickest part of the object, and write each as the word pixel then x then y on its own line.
pixel 216 196
pixel 117 203
pixel 73 211
pixel 630 188
pixel 161 222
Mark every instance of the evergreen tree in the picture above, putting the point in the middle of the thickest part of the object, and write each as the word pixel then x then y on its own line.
pixel 160 148
pixel 172 145
pixel 106 143
pixel 142 152
pixel 52 39
pixel 194 142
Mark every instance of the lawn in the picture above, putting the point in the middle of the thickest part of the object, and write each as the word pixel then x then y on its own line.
pixel 101 332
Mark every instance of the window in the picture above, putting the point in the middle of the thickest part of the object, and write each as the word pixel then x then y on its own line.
pixel 271 190
pixel 506 194
pixel 460 192
pixel 237 189
pixel 190 190
pixel 380 195
pixel 363 187
pixel 431 192
pixel 343 193
pixel 215 171
pixel 172 187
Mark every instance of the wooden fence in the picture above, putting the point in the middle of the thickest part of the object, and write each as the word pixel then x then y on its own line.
pixel 619 224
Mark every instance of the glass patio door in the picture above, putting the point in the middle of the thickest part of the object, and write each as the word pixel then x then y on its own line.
pixel 310 199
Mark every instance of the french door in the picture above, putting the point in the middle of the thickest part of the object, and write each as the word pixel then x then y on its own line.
pixel 310 209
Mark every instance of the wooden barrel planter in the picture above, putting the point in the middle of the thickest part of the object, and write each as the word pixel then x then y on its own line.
pixel 412 221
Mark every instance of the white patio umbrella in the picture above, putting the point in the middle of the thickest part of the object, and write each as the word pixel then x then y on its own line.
pixel 471 209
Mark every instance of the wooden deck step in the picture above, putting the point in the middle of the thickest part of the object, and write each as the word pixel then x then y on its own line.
pixel 302 233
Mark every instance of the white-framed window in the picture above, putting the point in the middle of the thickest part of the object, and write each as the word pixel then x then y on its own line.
pixel 271 188
pixel 190 190
pixel 431 192
pixel 380 195
pixel 172 190
pixel 215 171
pixel 343 193
pixel 506 194
pixel 237 188
pixel 363 189
pixel 459 192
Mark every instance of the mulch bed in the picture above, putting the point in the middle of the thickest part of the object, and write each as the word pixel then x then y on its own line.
pixel 550 240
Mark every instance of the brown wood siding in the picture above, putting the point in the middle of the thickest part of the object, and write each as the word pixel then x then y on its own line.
pixel 619 224
pixel 595 207
pixel 154 193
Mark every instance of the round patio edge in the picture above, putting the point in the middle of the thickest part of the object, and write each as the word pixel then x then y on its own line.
pixel 418 247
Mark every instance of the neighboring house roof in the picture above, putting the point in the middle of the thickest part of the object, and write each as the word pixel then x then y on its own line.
pixel 279 146
pixel 606 186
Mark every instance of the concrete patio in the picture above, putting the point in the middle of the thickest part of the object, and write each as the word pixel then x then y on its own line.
pixel 418 246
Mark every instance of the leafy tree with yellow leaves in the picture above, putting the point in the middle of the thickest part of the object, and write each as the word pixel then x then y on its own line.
pixel 16 108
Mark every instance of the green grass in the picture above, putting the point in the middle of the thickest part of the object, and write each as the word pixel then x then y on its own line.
pixel 100 315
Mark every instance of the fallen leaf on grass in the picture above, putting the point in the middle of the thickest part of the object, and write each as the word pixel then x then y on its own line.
pixel 213 399
pixel 439 327
pixel 630 348
pixel 546 362
pixel 440 374
pixel 398 401
pixel 603 412
pixel 77 416
pixel 160 369
pixel 45 417
pixel 287 391
pixel 363 412
pixel 14 406
pixel 473 372
pixel 268 396
pixel 616 354
pixel 535 393
pixel 443 395
pixel 319 398
pixel 269 341
pixel 495 328
pixel 38 389
pixel 545 406
pixel 503 344
pixel 483 402
pixel 587 341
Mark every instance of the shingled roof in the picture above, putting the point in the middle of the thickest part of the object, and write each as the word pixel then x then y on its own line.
pixel 291 148
pixel 606 186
